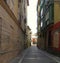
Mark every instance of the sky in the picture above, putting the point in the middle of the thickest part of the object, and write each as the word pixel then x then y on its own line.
pixel 32 15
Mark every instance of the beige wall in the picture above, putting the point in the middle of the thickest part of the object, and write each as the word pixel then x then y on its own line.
pixel 56 12
pixel 16 8
pixel 28 37
pixel 13 4
pixel 12 38
pixel 23 13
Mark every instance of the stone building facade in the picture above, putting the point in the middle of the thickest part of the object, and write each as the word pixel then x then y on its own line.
pixel 12 35
pixel 28 43
pixel 49 25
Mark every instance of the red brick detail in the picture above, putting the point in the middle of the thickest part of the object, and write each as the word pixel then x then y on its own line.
pixel 53 28
pixel 59 41
pixel 56 26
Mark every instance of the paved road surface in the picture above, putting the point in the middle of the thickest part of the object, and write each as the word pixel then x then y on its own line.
pixel 34 55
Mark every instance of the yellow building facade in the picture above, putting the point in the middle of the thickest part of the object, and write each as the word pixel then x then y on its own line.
pixel 56 26
pixel 56 12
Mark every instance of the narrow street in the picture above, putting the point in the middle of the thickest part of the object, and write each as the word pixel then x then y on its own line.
pixel 29 31
pixel 34 55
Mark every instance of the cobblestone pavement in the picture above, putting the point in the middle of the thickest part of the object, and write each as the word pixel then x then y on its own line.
pixel 34 55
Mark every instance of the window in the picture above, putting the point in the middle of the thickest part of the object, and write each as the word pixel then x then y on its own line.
pixel 20 18
pixel 46 2
pixel 20 1
pixel 42 13
pixel 47 22
pixel 56 39
pixel 51 10
pixel 41 2
pixel 41 24
pixel 5 1
pixel 0 21
pixel 47 16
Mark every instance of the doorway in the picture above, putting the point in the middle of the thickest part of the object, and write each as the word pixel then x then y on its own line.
pixel 49 39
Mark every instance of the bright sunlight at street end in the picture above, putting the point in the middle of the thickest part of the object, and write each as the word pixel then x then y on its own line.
pixel 32 15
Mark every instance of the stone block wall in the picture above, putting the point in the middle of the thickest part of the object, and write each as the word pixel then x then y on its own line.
pixel 11 37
